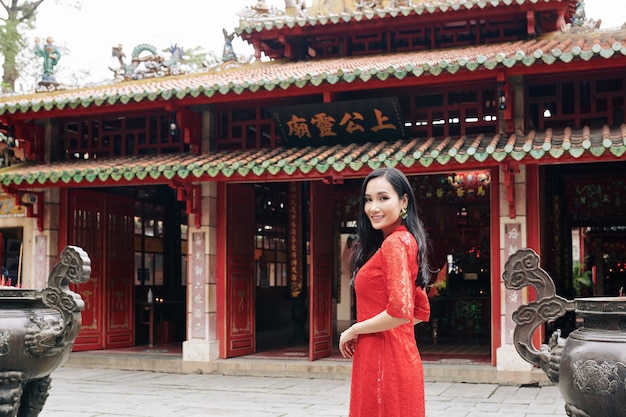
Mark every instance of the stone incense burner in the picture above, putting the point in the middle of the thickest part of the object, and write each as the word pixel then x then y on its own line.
pixel 590 364
pixel 37 332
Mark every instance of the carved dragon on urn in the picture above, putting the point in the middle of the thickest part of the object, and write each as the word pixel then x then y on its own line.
pixel 590 364
pixel 49 337
pixel 39 329
pixel 521 270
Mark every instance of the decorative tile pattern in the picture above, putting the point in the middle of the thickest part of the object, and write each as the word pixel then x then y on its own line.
pixel 280 22
pixel 324 161
pixel 567 48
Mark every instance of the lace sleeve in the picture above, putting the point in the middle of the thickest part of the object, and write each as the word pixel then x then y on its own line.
pixel 399 267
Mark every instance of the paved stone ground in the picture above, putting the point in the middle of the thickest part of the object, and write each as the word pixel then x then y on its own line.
pixel 82 392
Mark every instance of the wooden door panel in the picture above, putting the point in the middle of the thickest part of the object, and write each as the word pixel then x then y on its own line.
pixel 321 270
pixel 240 283
pixel 102 224
pixel 120 330
pixel 85 230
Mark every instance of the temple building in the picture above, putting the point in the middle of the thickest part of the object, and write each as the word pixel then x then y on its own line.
pixel 218 206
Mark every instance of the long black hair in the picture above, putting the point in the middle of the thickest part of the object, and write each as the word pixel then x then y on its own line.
pixel 369 239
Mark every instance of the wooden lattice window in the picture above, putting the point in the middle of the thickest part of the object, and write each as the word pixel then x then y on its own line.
pixel 454 34
pixel 412 37
pixel 118 136
pixel 251 128
pixel 585 101
pixel 451 113
pixel 329 46
pixel 368 43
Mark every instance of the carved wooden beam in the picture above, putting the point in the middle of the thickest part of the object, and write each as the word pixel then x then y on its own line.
pixel 510 169
pixel 191 195
pixel 530 18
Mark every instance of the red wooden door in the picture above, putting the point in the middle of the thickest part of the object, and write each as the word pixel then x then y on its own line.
pixel 85 226
pixel 239 280
pixel 119 272
pixel 101 224
pixel 321 270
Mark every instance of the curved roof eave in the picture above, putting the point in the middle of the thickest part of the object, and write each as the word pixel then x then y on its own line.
pixel 565 48
pixel 257 24
pixel 354 160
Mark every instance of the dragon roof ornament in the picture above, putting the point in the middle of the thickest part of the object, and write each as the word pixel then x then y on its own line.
pixel 145 62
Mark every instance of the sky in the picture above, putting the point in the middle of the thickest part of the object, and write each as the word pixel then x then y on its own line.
pixel 87 35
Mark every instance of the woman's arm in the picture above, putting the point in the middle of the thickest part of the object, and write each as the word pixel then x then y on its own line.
pixel 379 323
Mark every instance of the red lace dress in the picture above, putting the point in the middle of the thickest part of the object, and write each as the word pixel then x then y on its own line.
pixel 387 372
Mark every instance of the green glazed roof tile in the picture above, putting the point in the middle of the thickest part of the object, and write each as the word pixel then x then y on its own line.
pixel 413 154
pixel 285 75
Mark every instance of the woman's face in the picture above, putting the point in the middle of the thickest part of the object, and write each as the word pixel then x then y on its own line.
pixel 383 205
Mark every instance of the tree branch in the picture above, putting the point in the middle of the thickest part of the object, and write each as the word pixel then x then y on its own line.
pixel 29 8
pixel 4 6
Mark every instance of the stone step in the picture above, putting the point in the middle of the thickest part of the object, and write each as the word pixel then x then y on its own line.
pixel 442 371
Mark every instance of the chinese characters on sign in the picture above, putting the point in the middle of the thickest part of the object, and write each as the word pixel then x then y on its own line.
pixel 295 240
pixel 512 242
pixel 198 299
pixel 340 122
pixel 512 238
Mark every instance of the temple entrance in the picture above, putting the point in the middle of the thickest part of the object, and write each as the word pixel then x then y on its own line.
pixel 136 239
pixel 275 326
pixel 456 210
pixel 160 267
pixel 584 241
pixel 598 260
pixel 294 258
pixel 102 224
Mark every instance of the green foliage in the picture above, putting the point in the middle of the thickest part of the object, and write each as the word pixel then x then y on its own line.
pixel 581 279
pixel 17 19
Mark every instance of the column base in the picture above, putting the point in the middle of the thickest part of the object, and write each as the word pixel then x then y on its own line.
pixel 200 351
pixel 512 369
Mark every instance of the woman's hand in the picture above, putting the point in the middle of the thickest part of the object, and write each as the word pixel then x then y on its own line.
pixel 347 342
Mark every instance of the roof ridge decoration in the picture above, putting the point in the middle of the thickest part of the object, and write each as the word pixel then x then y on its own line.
pixel 579 22
pixel 549 49
pixel 145 62
pixel 280 163
pixel 261 17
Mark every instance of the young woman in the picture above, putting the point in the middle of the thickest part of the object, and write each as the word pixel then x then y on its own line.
pixel 391 264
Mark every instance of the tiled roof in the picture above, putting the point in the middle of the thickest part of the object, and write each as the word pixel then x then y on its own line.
pixel 318 162
pixel 259 24
pixel 275 75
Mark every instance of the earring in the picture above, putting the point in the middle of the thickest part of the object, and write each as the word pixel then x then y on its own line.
pixel 403 213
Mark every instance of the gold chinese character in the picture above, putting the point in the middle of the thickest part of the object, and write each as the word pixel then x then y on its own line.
pixel 324 123
pixel 349 119
pixel 297 126
pixel 380 122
